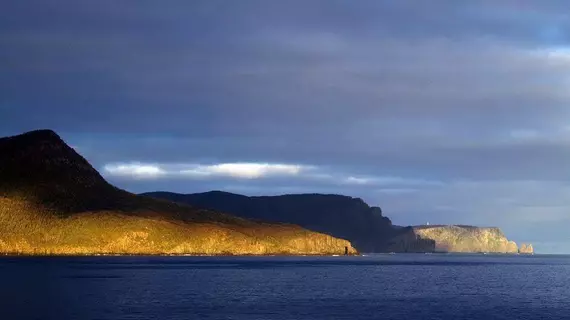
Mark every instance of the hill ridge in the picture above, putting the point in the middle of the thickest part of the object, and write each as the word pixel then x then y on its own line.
pixel 337 215
pixel 364 225
pixel 52 201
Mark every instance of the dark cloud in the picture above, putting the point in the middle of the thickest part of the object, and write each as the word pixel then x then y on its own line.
pixel 444 111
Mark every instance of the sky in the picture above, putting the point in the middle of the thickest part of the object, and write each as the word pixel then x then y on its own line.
pixel 452 112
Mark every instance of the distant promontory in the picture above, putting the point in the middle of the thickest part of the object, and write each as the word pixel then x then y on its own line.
pixel 461 238
pixel 351 218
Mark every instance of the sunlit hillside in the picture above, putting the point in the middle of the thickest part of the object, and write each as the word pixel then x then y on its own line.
pixel 53 202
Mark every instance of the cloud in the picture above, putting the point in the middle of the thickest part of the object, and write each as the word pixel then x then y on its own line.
pixel 246 170
pixel 388 181
pixel 135 170
pixel 354 180
pixel 526 210
pixel 231 170
pixel 273 172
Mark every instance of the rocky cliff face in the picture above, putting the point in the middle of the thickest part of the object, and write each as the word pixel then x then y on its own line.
pixel 467 239
pixel 407 240
pixel 52 201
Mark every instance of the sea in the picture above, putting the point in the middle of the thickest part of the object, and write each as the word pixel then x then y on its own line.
pixel 382 286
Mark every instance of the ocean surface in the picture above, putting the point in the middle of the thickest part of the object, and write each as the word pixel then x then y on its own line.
pixel 400 286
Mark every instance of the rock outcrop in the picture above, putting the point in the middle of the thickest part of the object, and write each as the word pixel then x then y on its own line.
pixel 526 248
pixel 457 238
pixel 52 201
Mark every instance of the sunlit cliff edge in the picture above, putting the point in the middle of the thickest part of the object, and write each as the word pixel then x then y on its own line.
pixel 459 238
pixel 52 201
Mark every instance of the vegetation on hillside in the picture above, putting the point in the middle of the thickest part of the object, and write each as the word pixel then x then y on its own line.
pixel 53 202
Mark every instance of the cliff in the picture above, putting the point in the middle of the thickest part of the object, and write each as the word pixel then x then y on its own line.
pixel 408 241
pixel 451 238
pixel 52 201
pixel 339 216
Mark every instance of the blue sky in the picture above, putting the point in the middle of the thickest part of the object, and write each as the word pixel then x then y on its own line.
pixel 439 111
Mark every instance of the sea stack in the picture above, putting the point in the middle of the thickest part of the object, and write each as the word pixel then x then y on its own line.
pixel 526 249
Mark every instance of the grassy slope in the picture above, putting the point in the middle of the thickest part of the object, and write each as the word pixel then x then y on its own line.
pixel 26 229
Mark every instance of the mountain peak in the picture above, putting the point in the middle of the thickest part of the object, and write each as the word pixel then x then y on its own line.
pixel 40 166
pixel 42 133
pixel 30 138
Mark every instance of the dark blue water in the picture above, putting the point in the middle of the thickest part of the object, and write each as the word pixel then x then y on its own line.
pixel 373 287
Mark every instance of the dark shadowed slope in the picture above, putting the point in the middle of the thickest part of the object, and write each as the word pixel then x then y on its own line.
pixel 340 216
pixel 52 201
pixel 39 167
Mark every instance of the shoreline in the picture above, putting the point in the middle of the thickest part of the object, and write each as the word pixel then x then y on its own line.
pixel 173 255
pixel 12 254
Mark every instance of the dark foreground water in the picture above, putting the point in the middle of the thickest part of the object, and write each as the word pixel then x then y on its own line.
pixel 370 287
